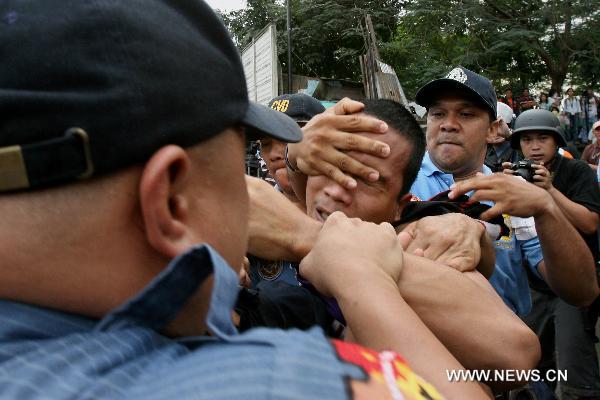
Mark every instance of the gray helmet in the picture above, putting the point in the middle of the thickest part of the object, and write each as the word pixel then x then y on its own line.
pixel 537 120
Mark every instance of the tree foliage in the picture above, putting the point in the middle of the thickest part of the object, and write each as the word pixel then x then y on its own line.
pixel 516 43
pixel 326 34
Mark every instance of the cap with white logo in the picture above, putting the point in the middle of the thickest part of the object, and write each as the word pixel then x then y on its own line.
pixel 476 87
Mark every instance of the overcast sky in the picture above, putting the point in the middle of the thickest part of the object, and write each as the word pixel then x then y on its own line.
pixel 227 5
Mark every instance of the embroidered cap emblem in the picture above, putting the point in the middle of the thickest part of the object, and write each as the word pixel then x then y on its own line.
pixel 458 75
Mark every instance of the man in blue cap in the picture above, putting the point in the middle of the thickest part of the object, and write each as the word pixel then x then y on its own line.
pixel 461 117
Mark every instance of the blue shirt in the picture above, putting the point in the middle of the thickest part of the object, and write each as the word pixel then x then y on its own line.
pixel 509 278
pixel 55 355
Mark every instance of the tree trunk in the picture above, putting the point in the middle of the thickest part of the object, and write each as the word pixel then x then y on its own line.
pixel 558 78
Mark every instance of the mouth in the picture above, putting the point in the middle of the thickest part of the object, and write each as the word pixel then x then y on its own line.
pixel 536 157
pixel 449 143
pixel 278 165
pixel 321 214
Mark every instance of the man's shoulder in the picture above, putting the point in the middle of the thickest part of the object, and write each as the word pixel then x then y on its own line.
pixel 575 169
pixel 140 363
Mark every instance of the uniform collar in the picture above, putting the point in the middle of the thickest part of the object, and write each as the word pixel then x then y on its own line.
pixel 153 307
pixel 162 299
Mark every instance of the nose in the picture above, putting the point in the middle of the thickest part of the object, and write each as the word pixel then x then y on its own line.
pixel 277 151
pixel 535 144
pixel 337 193
pixel 450 123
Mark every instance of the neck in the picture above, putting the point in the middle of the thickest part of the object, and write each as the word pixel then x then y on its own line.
pixel 466 176
pixel 551 164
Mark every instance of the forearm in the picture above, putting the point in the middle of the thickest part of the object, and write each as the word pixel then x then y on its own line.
pixel 568 265
pixel 277 229
pixel 380 319
pixel 448 301
pixel 290 240
pixel 582 218
pixel 488 257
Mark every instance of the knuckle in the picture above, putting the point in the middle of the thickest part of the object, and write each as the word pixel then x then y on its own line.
pixel 343 163
pixel 354 121
pixel 364 171
pixel 352 141
pixel 376 147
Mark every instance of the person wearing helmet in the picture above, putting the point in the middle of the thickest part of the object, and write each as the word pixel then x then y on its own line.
pixel 499 149
pixel 572 185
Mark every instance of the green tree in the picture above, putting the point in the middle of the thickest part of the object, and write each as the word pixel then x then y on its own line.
pixel 326 34
pixel 245 23
pixel 514 42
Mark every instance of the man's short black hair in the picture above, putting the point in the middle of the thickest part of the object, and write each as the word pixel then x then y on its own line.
pixel 401 120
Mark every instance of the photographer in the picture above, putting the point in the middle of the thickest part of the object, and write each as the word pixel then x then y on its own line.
pixel 572 185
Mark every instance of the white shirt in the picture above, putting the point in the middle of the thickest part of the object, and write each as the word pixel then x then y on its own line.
pixel 571 105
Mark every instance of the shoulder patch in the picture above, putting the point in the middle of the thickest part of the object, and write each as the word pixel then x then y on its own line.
pixel 388 372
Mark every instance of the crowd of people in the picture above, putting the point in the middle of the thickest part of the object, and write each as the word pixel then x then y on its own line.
pixel 576 113
pixel 140 262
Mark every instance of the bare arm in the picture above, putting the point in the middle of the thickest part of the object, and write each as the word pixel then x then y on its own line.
pixel 382 320
pixel 568 265
pixel 582 218
pixel 468 316
pixel 431 289
pixel 277 229
pixel 366 289
pixel 487 263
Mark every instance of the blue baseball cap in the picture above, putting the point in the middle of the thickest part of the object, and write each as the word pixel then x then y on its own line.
pixel 298 106
pixel 475 86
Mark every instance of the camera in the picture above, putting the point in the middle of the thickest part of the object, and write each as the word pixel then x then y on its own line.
pixel 524 169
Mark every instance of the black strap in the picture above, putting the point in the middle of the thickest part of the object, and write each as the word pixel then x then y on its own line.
pixel 46 163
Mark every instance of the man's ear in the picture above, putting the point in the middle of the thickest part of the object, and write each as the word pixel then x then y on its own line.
pixel 164 203
pixel 492 132
pixel 402 202
pixel 493 139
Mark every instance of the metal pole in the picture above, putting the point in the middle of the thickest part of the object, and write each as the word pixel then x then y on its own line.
pixel 289 45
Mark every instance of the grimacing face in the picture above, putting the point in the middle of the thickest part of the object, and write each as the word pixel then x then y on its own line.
pixel 370 201
pixel 272 152
pixel 538 146
pixel 457 134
